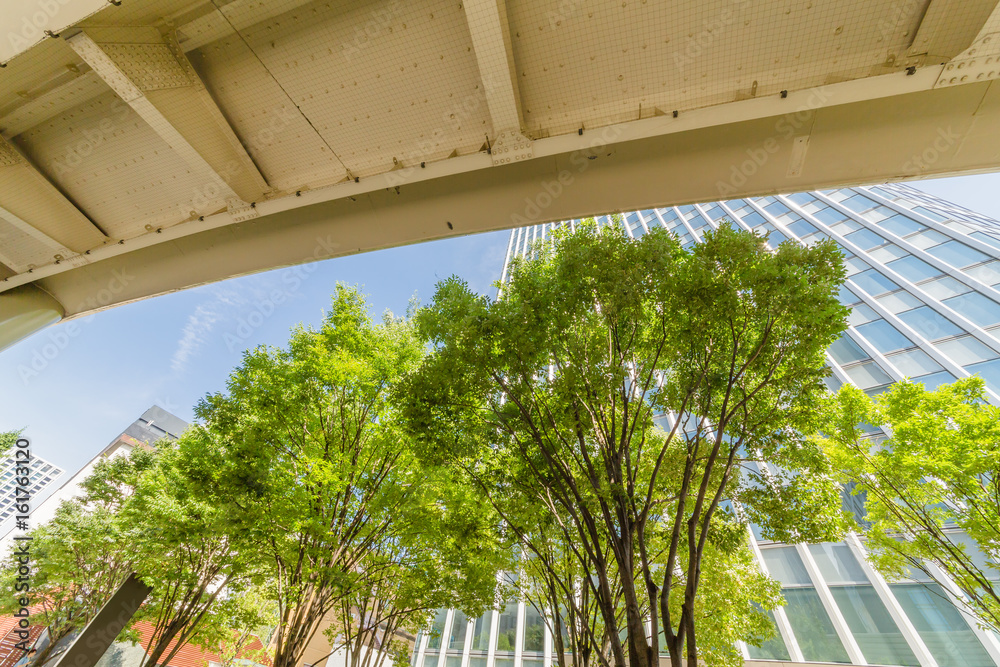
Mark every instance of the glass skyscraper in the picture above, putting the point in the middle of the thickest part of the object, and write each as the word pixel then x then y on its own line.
pixel 923 286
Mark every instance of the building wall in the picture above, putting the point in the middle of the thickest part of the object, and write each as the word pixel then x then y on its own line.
pixel 43 475
pixel 153 425
pixel 924 290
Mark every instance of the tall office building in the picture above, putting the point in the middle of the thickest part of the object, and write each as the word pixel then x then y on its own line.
pixel 42 474
pixel 924 290
pixel 154 424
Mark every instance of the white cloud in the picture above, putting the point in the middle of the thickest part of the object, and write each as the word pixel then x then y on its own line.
pixel 200 324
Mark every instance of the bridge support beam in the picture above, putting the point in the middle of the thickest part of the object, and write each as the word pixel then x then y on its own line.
pixel 97 637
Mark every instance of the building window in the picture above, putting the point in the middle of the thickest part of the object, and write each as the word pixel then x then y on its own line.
pixel 810 623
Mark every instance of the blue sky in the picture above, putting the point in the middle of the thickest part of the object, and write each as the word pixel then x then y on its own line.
pixel 173 349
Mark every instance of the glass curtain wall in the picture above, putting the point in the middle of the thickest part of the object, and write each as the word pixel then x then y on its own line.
pixel 923 286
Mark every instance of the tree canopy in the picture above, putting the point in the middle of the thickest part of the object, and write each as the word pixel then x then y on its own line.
pixel 84 553
pixel 623 387
pixel 305 454
pixel 931 484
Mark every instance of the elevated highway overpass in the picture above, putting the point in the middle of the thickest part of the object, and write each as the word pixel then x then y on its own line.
pixel 153 145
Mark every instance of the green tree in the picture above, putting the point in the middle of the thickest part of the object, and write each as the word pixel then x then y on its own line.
pixel 932 489
pixel 186 556
pixel 8 439
pixel 248 617
pixel 595 336
pixel 441 550
pixel 305 454
pixel 83 554
pixel 553 581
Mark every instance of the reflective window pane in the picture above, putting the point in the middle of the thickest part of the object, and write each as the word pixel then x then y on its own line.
pixel 933 215
pixel 481 632
pixel 879 213
pixel 913 269
pixel 897 302
pixel 884 337
pixel 914 363
pixel 877 635
pixel 986 238
pixel 837 563
pixel 861 314
pixel 800 198
pixel 812 626
pixel 874 282
pixel 459 627
pixel 989 371
pixel 771 649
pixel 929 323
pixel 865 239
pixel 801 228
pixel 507 630
pixel 437 629
pixel 944 287
pixel 888 253
pixel 867 375
pixel 957 254
pixel 988 274
pixel 947 636
pixel 785 565
pixel 927 238
pixel 845 351
pixel 534 630
pixel 900 225
pixel 965 350
pixel 829 216
pixel 858 203
pixel 932 382
pixel 845 226
pixel 847 297
pixel 983 311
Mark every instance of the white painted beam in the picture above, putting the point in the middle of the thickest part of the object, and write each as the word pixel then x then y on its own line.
pixel 32 231
pixel 33 204
pixel 979 62
pixel 491 42
pixel 131 92
pixel 631 162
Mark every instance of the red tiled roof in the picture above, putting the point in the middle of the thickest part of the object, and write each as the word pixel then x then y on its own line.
pixel 9 638
pixel 8 645
pixel 194 656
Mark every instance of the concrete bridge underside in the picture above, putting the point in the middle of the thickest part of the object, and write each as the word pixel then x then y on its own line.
pixel 155 145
